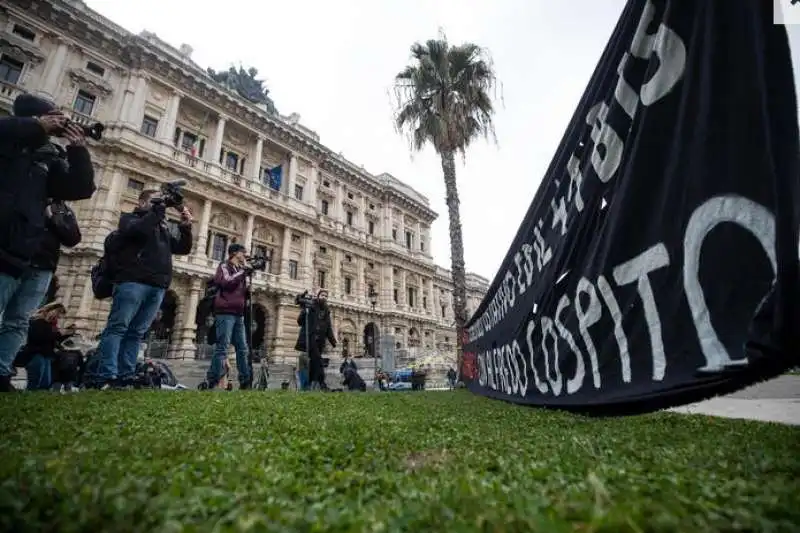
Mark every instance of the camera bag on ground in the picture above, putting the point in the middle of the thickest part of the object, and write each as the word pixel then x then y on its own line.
pixel 152 374
pixel 102 274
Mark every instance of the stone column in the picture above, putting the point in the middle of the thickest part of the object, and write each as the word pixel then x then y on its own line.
pixel 308 262
pixel 416 245
pixel 202 236
pixel 336 289
pixel 279 336
pixel 115 184
pixel 216 145
pixel 362 288
pixel 403 300
pixel 292 175
pixel 138 100
pixel 287 243
pixel 167 127
pixel 54 69
pixel 431 307
pixel 389 290
pixel 248 233
pixel 183 346
pixel 388 224
pixel 339 207
pixel 255 171
pixel 313 183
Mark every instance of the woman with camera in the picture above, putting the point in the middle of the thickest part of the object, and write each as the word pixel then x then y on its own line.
pixel 44 337
pixel 230 303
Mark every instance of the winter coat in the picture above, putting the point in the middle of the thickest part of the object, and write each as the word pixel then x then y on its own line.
pixel 61 229
pixel 320 328
pixel 143 249
pixel 33 170
pixel 231 282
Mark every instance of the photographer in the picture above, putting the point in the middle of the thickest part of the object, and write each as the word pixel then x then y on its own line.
pixel 33 169
pixel 141 255
pixel 317 330
pixel 229 310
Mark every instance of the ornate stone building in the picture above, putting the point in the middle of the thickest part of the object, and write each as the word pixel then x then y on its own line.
pixel 252 175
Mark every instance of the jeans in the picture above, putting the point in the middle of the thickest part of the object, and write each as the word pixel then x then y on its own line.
pixel 230 330
pixel 134 306
pixel 40 373
pixel 302 379
pixel 18 299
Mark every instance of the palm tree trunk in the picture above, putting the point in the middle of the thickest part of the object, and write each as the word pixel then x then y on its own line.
pixel 456 252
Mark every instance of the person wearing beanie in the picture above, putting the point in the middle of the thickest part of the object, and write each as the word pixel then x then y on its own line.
pixel 230 303
pixel 35 170
pixel 140 254
pixel 318 329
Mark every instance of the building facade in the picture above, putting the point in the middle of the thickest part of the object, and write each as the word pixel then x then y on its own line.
pixel 251 175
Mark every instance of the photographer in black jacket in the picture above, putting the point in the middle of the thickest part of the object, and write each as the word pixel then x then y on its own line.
pixel 33 169
pixel 317 330
pixel 141 255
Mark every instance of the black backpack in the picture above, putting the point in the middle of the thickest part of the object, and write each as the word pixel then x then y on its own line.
pixel 205 306
pixel 102 274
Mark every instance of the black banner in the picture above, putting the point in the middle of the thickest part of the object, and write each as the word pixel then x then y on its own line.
pixel 658 262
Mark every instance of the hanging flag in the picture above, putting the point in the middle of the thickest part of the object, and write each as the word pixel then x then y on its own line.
pixel 658 262
pixel 275 177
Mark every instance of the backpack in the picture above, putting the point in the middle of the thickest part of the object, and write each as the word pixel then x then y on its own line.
pixel 102 273
pixel 205 307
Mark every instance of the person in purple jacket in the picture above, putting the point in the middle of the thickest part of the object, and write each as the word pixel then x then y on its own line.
pixel 229 308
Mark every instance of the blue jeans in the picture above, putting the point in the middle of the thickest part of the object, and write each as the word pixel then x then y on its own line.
pixel 230 330
pixel 134 306
pixel 18 299
pixel 40 374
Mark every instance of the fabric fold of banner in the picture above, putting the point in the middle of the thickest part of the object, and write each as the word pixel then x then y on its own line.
pixel 658 262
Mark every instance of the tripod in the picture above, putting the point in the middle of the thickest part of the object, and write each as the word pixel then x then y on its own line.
pixel 263 375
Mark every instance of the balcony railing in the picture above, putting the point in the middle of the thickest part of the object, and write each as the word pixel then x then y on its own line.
pixel 9 91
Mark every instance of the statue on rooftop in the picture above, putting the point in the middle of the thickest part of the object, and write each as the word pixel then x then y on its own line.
pixel 244 83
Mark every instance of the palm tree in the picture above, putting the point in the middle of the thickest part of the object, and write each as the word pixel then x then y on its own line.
pixel 443 98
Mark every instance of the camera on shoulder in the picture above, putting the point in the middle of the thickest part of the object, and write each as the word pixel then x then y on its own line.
pixel 92 131
pixel 258 263
pixel 171 194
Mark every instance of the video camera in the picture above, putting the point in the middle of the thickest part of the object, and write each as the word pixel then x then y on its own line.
pixel 93 131
pixel 304 300
pixel 257 262
pixel 171 194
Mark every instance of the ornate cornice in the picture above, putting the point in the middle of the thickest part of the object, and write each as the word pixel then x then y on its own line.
pixel 91 82
pixel 20 49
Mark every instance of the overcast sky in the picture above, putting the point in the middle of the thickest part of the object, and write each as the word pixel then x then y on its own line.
pixel 333 63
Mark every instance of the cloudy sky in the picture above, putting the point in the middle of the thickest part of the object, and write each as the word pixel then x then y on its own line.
pixel 333 63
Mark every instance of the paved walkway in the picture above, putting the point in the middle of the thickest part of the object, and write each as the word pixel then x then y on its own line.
pixel 777 400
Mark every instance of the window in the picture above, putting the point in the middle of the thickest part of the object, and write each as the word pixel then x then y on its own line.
pixel 349 196
pixel 395 271
pixel 348 258
pixel 371 265
pixel 421 245
pixel 444 310
pixel 84 103
pixel 295 237
pixel 10 70
pixel 326 183
pixel 219 246
pixel 371 227
pixel 321 279
pixel 409 239
pixel 371 289
pixel 394 234
pixel 292 269
pixel 135 186
pixel 25 33
pixel 395 296
pixel 232 161
pixel 372 207
pixel 349 218
pixel 324 207
pixel 410 293
pixel 260 250
pixel 149 126
pixel 298 192
pixel 323 250
pixel 348 285
pixel 94 68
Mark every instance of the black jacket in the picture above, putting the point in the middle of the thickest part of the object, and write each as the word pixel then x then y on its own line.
pixel 320 328
pixel 145 245
pixel 43 339
pixel 61 229
pixel 32 169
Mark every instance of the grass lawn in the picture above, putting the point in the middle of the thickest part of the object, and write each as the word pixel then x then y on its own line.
pixel 413 462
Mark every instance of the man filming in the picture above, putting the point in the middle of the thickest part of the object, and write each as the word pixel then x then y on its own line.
pixel 230 304
pixel 33 169
pixel 317 331
pixel 141 254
